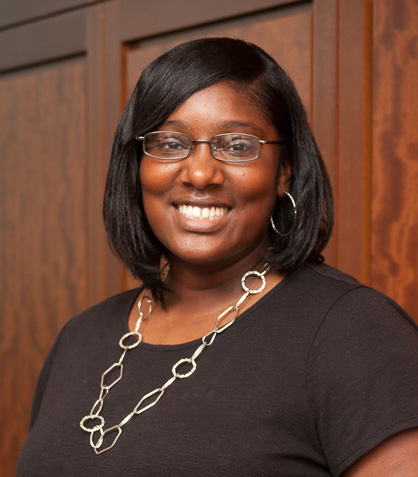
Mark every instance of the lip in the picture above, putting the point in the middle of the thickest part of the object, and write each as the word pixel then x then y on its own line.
pixel 201 202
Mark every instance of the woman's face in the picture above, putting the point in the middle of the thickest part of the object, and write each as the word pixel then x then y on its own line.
pixel 181 197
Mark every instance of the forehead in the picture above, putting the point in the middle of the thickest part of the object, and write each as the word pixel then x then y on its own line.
pixel 223 106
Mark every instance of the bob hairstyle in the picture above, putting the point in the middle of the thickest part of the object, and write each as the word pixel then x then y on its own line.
pixel 163 86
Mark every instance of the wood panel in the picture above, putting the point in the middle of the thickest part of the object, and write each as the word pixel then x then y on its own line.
pixel 324 95
pixel 354 63
pixel 146 19
pixel 56 126
pixel 48 40
pixel 43 241
pixel 395 152
pixel 15 12
pixel 104 107
pixel 286 34
pixel 352 192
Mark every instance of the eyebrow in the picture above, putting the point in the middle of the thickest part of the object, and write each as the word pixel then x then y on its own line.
pixel 239 124
pixel 173 123
pixel 224 125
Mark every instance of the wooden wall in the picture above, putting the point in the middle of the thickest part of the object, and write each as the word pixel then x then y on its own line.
pixel 66 70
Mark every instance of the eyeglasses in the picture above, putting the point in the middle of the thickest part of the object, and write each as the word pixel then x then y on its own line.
pixel 229 147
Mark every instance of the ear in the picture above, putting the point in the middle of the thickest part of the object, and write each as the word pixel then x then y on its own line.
pixel 284 179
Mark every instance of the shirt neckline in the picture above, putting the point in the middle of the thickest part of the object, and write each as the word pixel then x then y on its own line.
pixel 190 344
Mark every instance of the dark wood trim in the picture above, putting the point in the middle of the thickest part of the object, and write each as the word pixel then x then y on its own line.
pixel 324 121
pixel 146 18
pixel 354 139
pixel 104 106
pixel 43 41
pixel 16 12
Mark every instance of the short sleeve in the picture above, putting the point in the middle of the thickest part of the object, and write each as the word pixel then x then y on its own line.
pixel 363 376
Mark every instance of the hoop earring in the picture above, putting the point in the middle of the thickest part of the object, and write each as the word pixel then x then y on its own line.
pixel 294 218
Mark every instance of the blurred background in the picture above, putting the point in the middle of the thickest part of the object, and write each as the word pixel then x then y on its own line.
pixel 67 68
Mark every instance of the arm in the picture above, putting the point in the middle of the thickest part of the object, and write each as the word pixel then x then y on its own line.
pixel 397 456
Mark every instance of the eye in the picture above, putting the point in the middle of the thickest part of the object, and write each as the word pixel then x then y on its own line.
pixel 172 144
pixel 238 146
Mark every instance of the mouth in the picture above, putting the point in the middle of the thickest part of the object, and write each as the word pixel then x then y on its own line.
pixel 201 213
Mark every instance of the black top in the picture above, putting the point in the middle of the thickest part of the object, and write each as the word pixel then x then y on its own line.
pixel 314 375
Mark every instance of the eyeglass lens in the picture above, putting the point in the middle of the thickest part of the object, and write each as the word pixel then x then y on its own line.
pixel 227 147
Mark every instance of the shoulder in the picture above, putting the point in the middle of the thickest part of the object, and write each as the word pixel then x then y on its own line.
pixel 319 284
pixel 361 372
pixel 352 316
pixel 357 301
pixel 326 272
pixel 328 282
pixel 88 333
pixel 110 314
pixel 344 297
pixel 82 338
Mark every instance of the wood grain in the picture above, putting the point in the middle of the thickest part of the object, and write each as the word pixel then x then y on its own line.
pixel 285 34
pixel 146 19
pixel 20 11
pixel 353 132
pixel 43 242
pixel 104 110
pixel 42 41
pixel 355 64
pixel 324 96
pixel 395 152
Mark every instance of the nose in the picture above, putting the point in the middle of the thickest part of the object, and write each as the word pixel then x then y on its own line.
pixel 201 169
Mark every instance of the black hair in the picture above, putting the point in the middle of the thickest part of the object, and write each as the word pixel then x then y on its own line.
pixel 163 86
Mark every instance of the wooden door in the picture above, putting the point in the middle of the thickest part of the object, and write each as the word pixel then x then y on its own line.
pixel 54 138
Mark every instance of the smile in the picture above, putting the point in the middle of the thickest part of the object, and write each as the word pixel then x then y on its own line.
pixel 201 213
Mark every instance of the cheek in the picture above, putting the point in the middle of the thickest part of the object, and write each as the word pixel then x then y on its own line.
pixel 152 187
pixel 155 178
pixel 259 184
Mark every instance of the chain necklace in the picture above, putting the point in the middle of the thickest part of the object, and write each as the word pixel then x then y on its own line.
pixel 94 422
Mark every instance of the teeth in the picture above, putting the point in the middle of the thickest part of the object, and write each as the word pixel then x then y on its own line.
pixel 196 212
pixel 202 213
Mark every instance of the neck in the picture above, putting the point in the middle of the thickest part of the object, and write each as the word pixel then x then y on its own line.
pixel 200 294
pixel 206 289
pixel 201 278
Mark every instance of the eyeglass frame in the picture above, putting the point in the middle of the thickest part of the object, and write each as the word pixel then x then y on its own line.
pixel 205 141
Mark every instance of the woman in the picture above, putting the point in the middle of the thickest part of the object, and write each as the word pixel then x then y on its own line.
pixel 242 354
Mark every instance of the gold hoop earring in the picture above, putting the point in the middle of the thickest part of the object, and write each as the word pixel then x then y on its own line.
pixel 273 225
